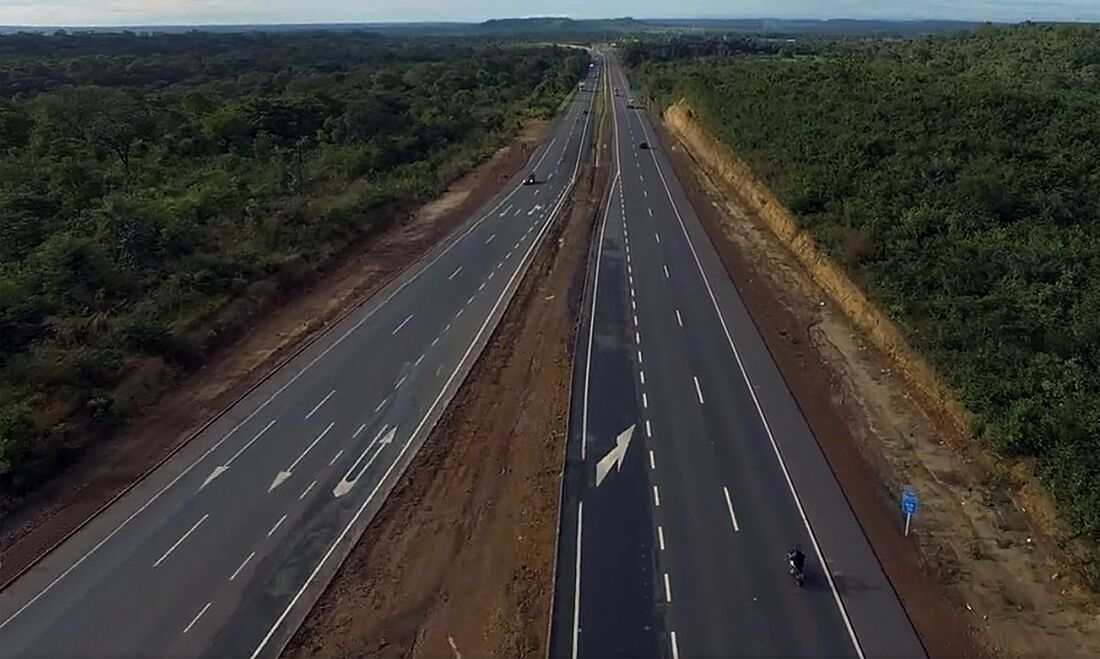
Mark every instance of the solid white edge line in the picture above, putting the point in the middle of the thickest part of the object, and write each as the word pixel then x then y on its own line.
pixel 577 582
pixel 423 420
pixel 729 506
pixel 181 539
pixel 587 380
pixel 763 420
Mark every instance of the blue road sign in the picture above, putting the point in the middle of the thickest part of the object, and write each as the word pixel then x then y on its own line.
pixel 909 502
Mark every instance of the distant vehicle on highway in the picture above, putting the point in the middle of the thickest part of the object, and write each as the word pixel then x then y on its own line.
pixel 530 180
pixel 643 145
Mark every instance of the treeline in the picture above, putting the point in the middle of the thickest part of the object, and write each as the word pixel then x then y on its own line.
pixel 959 181
pixel 156 192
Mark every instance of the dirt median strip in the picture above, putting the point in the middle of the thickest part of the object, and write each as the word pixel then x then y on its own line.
pixel 108 467
pixel 460 560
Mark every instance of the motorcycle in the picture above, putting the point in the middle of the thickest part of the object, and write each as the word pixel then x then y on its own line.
pixel 799 574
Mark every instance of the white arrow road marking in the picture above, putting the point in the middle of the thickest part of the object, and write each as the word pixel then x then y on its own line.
pixel 347 482
pixel 283 475
pixel 220 469
pixel 615 456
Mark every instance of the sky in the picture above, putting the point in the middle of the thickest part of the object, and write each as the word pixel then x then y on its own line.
pixel 197 12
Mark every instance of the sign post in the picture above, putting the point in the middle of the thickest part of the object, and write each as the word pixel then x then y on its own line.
pixel 908 506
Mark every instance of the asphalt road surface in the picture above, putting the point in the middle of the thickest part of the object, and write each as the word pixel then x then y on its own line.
pixel 690 469
pixel 222 551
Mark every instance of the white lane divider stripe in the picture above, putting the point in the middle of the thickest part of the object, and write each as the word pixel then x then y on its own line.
pixel 359 430
pixel 196 618
pixel 652 463
pixel 455 273
pixel 306 491
pixel 666 270
pixel 310 447
pixel 698 390
pixel 335 457
pixel 180 541
pixel 679 320
pixel 490 238
pixel 729 506
pixel 648 431
pixel 656 497
pixel 403 323
pixel 318 405
pixel 241 566
pixel 277 525
pixel 668 590
pixel 675 646
pixel 661 537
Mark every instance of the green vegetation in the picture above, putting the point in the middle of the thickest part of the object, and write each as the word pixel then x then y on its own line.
pixel 958 179
pixel 157 192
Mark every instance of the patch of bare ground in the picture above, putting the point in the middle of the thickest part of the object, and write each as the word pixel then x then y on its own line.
pixel 978 575
pixel 460 560
pixel 177 408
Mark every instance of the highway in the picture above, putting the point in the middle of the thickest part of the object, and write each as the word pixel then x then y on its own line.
pixel 689 468
pixel 222 550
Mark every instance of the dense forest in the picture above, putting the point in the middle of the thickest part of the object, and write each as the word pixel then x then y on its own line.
pixel 958 179
pixel 157 190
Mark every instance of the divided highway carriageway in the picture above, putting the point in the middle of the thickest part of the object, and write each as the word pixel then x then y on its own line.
pixel 690 470
pixel 222 550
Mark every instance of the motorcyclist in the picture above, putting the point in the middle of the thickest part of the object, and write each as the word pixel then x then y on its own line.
pixel 796 558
